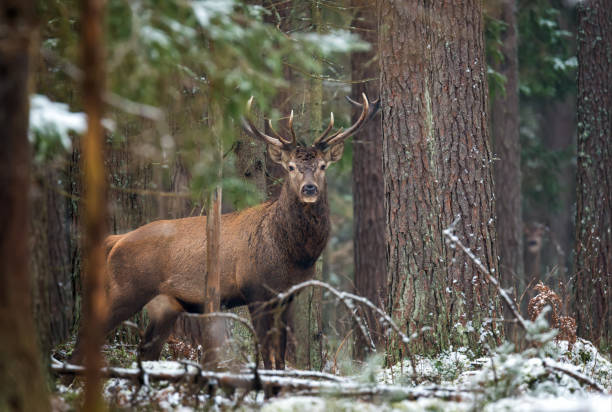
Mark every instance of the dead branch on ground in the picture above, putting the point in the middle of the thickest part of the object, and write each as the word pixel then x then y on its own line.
pixel 274 381
pixel 576 375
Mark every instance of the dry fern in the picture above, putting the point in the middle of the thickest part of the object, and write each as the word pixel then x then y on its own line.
pixel 547 297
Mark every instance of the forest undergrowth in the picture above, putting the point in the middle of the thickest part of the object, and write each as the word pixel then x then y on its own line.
pixel 547 368
pixel 554 371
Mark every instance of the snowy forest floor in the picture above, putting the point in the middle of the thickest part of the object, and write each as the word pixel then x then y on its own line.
pixel 456 380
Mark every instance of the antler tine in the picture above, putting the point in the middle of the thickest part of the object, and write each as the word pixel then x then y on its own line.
pixel 293 138
pixel 338 137
pixel 374 106
pixel 252 129
pixel 278 136
pixel 353 102
pixel 326 132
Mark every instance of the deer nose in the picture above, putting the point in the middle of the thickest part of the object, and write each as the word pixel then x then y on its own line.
pixel 309 189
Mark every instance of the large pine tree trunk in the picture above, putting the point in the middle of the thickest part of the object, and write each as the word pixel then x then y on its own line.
pixel 368 189
pixel 593 254
pixel 505 137
pixel 22 387
pixel 437 168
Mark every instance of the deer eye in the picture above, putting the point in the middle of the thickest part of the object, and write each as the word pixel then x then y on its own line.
pixel 291 168
pixel 323 166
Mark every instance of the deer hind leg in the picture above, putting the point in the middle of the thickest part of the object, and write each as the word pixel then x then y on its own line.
pixel 163 311
pixel 120 308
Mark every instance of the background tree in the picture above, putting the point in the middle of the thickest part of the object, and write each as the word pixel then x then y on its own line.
pixel 368 188
pixel 547 70
pixel 593 253
pixel 505 138
pixel 22 387
pixel 437 168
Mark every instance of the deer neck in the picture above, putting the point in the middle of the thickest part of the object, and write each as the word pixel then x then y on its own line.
pixel 301 229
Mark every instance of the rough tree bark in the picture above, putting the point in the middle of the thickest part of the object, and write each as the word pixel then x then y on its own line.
pixel 368 188
pixel 593 253
pixel 250 161
pixel 505 137
pixel 437 168
pixel 22 387
pixel 94 180
pixel 50 257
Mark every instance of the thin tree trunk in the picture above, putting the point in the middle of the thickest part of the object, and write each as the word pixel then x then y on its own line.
pixel 368 188
pixel 22 387
pixel 94 304
pixel 437 168
pixel 593 253
pixel 305 319
pixel 505 137
pixel 214 329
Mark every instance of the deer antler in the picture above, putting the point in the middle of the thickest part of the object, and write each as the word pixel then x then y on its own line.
pixel 293 138
pixel 368 111
pixel 277 140
pixel 276 134
pixel 326 132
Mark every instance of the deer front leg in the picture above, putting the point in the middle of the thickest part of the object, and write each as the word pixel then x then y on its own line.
pixel 282 326
pixel 269 323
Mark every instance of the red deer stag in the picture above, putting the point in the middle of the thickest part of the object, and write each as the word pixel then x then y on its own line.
pixel 264 250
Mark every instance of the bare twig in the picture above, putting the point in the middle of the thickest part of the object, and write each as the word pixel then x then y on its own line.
pixel 449 233
pixel 347 299
pixel 340 348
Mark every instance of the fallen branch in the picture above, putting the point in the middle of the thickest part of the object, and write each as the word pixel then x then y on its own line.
pixel 271 381
pixel 301 374
pixel 576 375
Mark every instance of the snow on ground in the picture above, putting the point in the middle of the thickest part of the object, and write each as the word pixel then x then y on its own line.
pixel 504 381
pixel 319 404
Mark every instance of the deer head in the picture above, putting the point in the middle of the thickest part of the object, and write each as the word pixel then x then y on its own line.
pixel 534 235
pixel 305 166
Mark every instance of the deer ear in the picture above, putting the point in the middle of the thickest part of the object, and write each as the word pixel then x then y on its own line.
pixel 276 153
pixel 334 153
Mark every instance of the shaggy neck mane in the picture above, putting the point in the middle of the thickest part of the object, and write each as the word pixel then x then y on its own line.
pixel 304 235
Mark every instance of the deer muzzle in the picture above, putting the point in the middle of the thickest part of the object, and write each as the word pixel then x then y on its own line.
pixel 309 192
